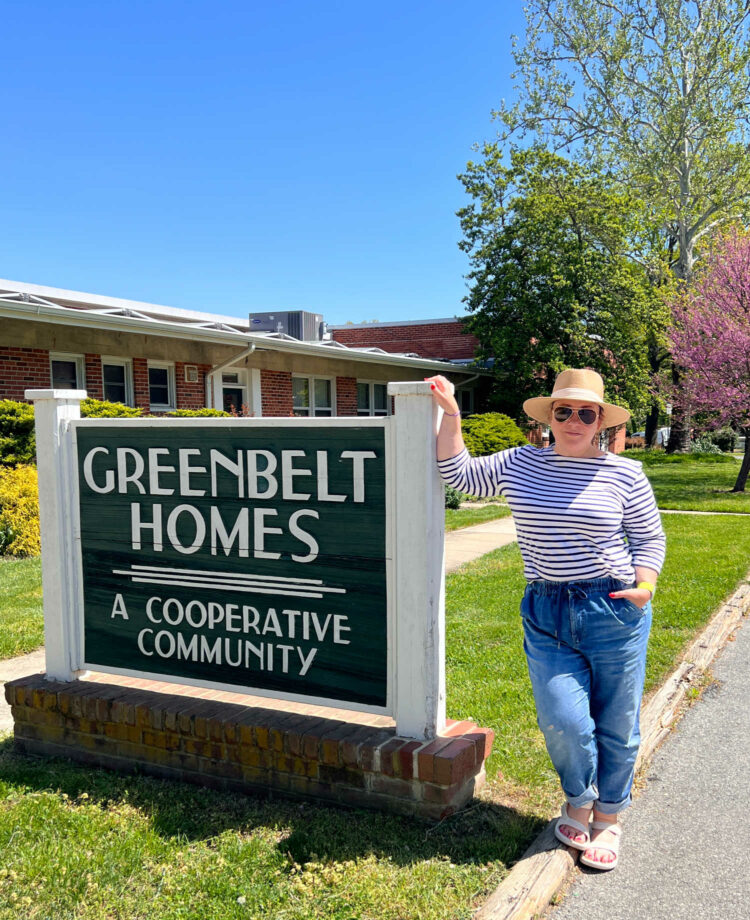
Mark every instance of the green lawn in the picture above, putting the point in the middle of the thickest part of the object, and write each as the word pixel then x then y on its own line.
pixel 688 483
pixel 88 845
pixel 21 620
pixel 455 518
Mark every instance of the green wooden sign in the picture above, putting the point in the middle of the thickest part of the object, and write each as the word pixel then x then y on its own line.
pixel 241 554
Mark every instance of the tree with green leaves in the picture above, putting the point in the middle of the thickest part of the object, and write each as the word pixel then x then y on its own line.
pixel 551 284
pixel 657 92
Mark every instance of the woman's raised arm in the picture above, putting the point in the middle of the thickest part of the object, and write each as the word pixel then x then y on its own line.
pixel 449 440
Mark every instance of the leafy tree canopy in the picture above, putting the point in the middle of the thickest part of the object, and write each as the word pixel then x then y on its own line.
pixel 551 283
pixel 656 90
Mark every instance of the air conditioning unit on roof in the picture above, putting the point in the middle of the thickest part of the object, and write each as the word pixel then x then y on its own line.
pixel 300 324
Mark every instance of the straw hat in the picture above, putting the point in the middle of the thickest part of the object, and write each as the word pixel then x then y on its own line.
pixel 585 385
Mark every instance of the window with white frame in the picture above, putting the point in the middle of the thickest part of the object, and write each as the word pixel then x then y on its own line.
pixel 234 390
pixel 312 396
pixel 117 380
pixel 372 398
pixel 465 400
pixel 161 386
pixel 67 372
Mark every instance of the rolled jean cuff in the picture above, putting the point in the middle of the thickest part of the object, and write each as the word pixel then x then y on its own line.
pixel 612 808
pixel 587 797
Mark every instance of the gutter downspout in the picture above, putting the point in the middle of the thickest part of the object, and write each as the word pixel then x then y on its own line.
pixel 217 368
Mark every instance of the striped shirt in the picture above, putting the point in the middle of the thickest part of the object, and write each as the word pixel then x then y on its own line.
pixel 577 518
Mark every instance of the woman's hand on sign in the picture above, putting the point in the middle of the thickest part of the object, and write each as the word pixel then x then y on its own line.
pixel 442 393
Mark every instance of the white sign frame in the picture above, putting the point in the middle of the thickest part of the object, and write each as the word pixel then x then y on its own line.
pixel 414 551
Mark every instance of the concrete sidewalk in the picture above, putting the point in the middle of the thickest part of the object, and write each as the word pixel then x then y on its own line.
pixel 10 669
pixel 461 546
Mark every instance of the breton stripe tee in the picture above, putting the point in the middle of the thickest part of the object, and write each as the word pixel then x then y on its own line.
pixel 577 518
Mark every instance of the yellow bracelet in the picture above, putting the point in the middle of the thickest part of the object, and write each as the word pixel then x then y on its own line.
pixel 648 586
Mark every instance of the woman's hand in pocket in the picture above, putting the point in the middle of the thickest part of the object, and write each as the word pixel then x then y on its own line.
pixel 638 596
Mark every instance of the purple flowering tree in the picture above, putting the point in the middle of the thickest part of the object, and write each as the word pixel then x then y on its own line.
pixel 711 341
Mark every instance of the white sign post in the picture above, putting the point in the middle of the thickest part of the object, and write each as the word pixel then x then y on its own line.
pixel 418 564
pixel 53 409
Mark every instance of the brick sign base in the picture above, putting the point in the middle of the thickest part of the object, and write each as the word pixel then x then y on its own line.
pixel 248 748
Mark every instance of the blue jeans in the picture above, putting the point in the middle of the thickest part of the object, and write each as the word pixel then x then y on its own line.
pixel 586 654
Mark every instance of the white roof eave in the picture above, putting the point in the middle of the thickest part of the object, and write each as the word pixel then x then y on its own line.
pixel 355 354
pixel 94 319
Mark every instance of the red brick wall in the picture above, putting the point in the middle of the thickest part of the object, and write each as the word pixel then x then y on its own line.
pixel 23 369
pixel 276 393
pixel 28 368
pixel 428 340
pixel 140 383
pixel 229 745
pixel 346 396
pixel 94 383
pixel 617 440
pixel 534 434
pixel 190 395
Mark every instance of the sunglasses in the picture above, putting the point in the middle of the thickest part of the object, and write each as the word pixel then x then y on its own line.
pixel 587 416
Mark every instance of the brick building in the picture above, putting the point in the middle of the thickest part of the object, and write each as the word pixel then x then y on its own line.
pixel 438 339
pixel 161 358
pixel 441 339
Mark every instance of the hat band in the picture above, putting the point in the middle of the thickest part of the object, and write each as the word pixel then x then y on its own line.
pixel 577 393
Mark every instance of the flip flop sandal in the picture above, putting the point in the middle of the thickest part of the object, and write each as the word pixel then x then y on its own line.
pixel 576 825
pixel 613 846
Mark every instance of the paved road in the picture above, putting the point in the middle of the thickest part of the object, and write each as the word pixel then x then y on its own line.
pixel 686 840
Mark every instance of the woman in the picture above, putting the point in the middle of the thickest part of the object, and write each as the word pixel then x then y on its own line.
pixel 592 544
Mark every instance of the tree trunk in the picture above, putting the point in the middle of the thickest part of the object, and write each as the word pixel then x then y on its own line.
pixel 739 486
pixel 652 425
pixel 679 434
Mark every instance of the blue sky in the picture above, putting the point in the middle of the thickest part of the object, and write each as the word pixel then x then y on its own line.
pixel 244 156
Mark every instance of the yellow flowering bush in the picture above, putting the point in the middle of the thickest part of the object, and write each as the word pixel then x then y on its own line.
pixel 19 512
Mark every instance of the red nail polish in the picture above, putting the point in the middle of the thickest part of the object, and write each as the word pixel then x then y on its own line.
pixel 432 386
pixel 611 595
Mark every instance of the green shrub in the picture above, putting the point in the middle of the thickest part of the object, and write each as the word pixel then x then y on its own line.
pixel 17 443
pixel 453 497
pixel 725 439
pixel 98 408
pixel 492 431
pixel 19 512
pixel 198 413
pixel 703 444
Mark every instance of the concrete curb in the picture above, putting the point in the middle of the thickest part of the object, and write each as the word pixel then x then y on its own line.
pixel 540 873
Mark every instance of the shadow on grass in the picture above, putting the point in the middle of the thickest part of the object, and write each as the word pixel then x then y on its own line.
pixel 481 833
